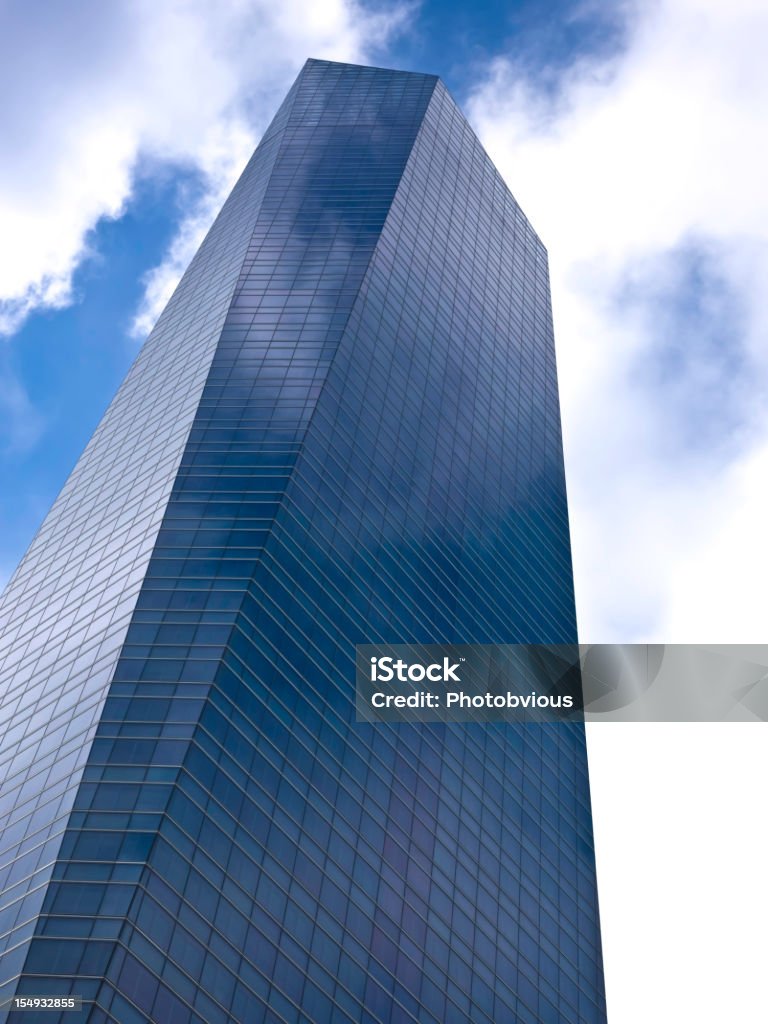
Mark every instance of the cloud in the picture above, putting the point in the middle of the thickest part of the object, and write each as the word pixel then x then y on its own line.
pixel 644 173
pixel 101 87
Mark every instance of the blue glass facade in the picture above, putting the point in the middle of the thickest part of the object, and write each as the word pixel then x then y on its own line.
pixel 353 401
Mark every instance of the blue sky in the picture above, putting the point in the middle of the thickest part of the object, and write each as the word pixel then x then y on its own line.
pixel 632 132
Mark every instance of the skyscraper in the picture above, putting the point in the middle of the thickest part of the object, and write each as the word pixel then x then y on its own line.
pixel 343 429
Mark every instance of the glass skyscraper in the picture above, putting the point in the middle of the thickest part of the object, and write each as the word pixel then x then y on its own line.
pixel 343 429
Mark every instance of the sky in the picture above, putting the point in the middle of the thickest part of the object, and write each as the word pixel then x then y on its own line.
pixel 632 134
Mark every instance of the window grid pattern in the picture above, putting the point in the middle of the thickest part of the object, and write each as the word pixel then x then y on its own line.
pixel 376 457
pixel 65 612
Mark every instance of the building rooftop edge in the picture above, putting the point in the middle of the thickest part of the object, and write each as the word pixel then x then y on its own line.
pixel 371 67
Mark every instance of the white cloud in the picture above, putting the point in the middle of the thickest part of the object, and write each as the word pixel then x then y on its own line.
pixel 98 87
pixel 644 175
pixel 681 846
